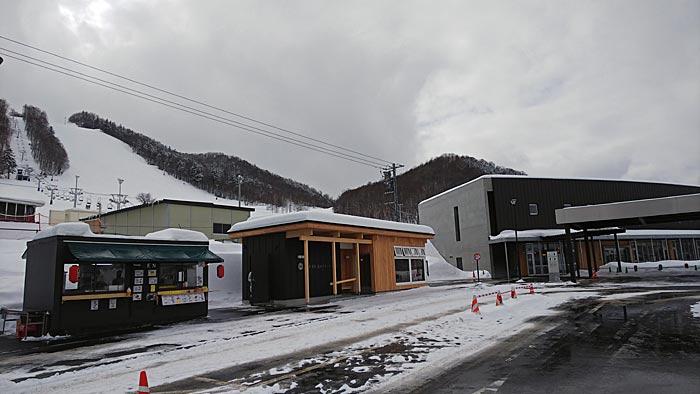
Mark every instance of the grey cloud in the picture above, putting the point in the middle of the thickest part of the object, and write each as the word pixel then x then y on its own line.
pixel 538 86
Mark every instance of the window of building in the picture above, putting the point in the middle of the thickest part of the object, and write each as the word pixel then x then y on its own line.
pixel 458 236
pixel 220 228
pixel 459 263
pixel 178 276
pixel 95 278
pixel 533 210
pixel 409 270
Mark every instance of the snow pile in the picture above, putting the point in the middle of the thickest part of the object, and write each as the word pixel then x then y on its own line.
pixel 12 273
pixel 77 229
pixel 177 234
pixel 226 292
pixel 695 309
pixel 669 267
pixel 439 268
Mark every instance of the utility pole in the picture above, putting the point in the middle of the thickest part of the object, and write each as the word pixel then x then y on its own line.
pixel 389 174
pixel 240 180
pixel 75 191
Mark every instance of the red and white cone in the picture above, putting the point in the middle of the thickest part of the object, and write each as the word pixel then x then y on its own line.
pixel 143 384
pixel 499 298
pixel 475 305
pixel 532 289
pixel 513 293
pixel 595 275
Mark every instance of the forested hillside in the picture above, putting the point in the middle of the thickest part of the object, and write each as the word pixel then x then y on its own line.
pixel 7 156
pixel 47 149
pixel 417 184
pixel 214 172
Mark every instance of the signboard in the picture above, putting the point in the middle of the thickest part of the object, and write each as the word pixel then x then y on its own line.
pixel 189 298
pixel 553 265
pixel 94 305
pixel 477 256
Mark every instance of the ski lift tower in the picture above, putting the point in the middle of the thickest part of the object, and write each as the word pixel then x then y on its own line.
pixel 120 198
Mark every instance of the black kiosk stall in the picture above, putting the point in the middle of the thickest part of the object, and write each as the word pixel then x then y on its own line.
pixel 102 283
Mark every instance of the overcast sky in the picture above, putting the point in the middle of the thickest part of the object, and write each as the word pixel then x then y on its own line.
pixel 586 89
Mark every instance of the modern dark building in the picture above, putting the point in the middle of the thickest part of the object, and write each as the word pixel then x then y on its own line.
pixel 481 216
pixel 105 283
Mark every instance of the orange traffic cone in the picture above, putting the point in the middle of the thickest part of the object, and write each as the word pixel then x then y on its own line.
pixel 513 293
pixel 475 305
pixel 532 289
pixel 143 384
pixel 499 298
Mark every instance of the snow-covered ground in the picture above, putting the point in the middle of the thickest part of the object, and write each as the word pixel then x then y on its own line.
pixel 424 317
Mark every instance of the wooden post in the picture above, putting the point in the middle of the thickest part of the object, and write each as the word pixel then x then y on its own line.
pixel 357 260
pixel 335 279
pixel 306 271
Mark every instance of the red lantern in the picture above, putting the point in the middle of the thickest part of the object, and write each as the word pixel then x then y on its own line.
pixel 73 273
pixel 220 271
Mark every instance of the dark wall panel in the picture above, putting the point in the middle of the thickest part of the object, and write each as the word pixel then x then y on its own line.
pixel 551 194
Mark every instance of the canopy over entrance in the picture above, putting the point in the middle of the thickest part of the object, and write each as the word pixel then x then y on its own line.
pixel 103 252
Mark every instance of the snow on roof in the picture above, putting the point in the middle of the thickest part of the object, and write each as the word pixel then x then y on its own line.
pixel 489 176
pixel 330 218
pixel 538 234
pixel 177 234
pixel 82 229
pixel 25 201
pixel 73 228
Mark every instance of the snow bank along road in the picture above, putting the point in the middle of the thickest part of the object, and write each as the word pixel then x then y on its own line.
pixel 363 344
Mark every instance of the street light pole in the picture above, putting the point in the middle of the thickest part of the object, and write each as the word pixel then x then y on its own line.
pixel 514 201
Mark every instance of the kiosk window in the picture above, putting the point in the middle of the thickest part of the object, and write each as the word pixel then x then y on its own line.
pixel 178 275
pixel 95 278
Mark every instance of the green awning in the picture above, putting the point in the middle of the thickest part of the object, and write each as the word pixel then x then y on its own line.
pixel 105 252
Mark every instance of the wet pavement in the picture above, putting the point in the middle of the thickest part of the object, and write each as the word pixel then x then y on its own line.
pixel 645 344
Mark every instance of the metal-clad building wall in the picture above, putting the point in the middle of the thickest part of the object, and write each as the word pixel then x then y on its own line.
pixel 474 223
pixel 551 194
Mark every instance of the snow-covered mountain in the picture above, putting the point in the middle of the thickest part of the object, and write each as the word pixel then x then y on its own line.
pixel 99 161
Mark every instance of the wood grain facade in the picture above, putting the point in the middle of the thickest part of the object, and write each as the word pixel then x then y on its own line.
pixel 309 259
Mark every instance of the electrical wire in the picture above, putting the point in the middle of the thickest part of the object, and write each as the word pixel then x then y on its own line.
pixel 381 163
pixel 276 137
pixel 188 107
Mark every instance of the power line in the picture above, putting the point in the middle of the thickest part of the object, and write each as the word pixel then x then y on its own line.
pixel 182 105
pixel 193 100
pixel 201 114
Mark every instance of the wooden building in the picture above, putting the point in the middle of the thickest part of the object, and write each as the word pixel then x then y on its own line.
pixel 87 282
pixel 302 255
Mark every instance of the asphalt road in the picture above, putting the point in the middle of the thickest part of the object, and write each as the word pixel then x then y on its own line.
pixel 645 344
